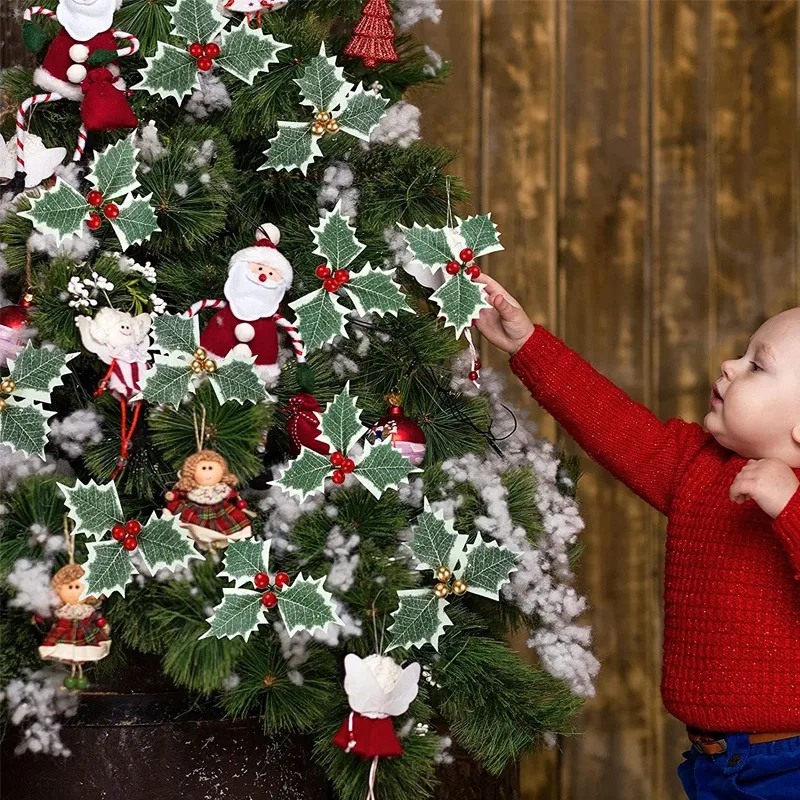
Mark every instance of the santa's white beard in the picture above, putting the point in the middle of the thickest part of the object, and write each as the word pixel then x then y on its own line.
pixel 85 20
pixel 249 299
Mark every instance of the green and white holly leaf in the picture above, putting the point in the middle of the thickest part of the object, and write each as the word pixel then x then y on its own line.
pixel 374 290
pixel 430 247
pixel 293 147
pixel 305 606
pixel 167 382
pixel 136 221
pixel 24 427
pixel 108 570
pixel 164 544
pixel 335 238
pixel 320 318
pixel 480 234
pixel 341 424
pixel 460 300
pixel 487 567
pixel 171 72
pixel 305 475
pixel 59 211
pixel 196 20
pixel 419 619
pixel 434 540
pixel 323 85
pixel 361 112
pixel 94 508
pixel 176 333
pixel 247 51
pixel 382 467
pixel 237 379
pixel 245 558
pixel 239 614
pixel 113 170
pixel 37 371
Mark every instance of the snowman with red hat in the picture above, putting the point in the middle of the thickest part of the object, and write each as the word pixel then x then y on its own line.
pixel 248 320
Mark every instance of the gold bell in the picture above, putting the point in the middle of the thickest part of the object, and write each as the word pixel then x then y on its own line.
pixel 322 116
pixel 200 353
pixel 7 386
pixel 2 404
pixel 332 126
pixel 318 128
pixel 459 587
pixel 441 590
pixel 443 574
pixel 209 365
pixel 196 367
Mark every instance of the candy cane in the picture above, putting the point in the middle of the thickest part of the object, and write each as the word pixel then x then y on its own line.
pixel 132 46
pixel 79 148
pixel 201 304
pixel 24 106
pixel 29 12
pixel 294 335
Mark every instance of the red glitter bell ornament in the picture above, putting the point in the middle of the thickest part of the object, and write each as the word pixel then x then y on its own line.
pixel 404 433
pixel 303 424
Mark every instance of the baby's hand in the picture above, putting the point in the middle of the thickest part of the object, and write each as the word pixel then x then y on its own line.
pixel 769 481
pixel 505 324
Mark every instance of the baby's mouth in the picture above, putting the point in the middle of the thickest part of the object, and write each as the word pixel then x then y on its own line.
pixel 716 397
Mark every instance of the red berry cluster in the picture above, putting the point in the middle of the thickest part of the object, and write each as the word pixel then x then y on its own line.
pixel 473 375
pixel 204 54
pixel 94 220
pixel 343 465
pixel 261 582
pixel 127 533
pixel 331 281
pixel 466 255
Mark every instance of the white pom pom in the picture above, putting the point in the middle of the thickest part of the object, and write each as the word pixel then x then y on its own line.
pixel 270 231
pixel 76 73
pixel 79 53
pixel 244 332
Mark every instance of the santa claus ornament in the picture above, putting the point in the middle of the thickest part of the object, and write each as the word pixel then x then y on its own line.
pixel 80 65
pixel 253 9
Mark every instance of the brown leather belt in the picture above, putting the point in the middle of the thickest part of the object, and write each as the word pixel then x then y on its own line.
pixel 713 742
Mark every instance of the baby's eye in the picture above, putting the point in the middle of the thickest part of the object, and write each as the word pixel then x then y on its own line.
pixel 756 368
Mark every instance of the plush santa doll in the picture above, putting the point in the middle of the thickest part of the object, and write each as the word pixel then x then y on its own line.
pixel 247 324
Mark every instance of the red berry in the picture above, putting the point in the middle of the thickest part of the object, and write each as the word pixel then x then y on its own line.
pixel 330 284
pixel 269 599
pixel 323 271
pixel 241 503
pixel 111 210
pixel 348 465
pixel 477 365
pixel 204 63
pixel 130 543
pixel 336 459
pixel 473 376
pixel 342 275
pixel 195 49
pixel 282 579
pixel 338 476
pixel 133 527
pixel 212 50
pixel 118 532
pixel 94 221
pixel 466 254
pixel 101 622
pixel 473 271
pixel 261 580
pixel 452 267
pixel 94 198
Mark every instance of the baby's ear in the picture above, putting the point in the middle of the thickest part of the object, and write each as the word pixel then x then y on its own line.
pixel 796 433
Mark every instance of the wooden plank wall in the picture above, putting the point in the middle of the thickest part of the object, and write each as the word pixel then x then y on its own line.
pixel 643 162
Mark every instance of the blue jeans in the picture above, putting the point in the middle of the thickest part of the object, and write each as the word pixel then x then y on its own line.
pixel 763 771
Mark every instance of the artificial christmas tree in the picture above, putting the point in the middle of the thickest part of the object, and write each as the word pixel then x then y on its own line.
pixel 379 550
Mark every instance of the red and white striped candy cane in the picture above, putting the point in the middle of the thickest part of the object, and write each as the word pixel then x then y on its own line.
pixel 297 343
pixel 132 43
pixel 47 97
pixel 201 304
pixel 29 12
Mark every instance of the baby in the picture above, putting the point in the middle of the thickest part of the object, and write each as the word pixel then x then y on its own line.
pixel 729 489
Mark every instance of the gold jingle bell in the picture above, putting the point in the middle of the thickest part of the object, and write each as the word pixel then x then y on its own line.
pixel 7 386
pixel 441 590
pixel 332 126
pixel 443 574
pixel 2 404
pixel 196 367
pixel 200 353
pixel 322 116
pixel 209 365
pixel 318 128
pixel 459 587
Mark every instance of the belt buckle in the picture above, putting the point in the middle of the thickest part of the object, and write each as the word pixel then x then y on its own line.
pixel 721 742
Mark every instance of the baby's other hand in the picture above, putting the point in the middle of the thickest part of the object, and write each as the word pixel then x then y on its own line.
pixel 505 324
pixel 769 481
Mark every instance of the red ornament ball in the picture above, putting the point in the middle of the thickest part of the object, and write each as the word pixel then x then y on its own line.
pixel 341 275
pixel 282 579
pixel 323 271
pixel 404 433
pixel 241 503
pixel 101 622
pixel 133 527
pixel 336 459
pixel 348 465
pixel 212 50
pixel 473 271
pixel 111 210
pixel 130 543
pixel 338 476
pixel 269 599
pixel 477 365
pixel 195 49
pixel 331 284
pixel 94 198
pixel 473 376
pixel 467 254
pixel 118 532
pixel 261 580
pixel 204 63
pixel 94 221
pixel 452 267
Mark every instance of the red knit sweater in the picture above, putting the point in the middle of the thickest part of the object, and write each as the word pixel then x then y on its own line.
pixel 732 596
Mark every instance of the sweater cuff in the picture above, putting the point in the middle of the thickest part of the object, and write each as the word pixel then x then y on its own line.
pixel 533 362
pixel 787 526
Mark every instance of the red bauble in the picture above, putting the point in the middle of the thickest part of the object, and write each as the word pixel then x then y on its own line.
pixel 261 580
pixel 111 210
pixel 467 254
pixel 348 465
pixel 405 434
pixel 473 376
pixel 94 198
pixel 282 579
pixel 473 271
pixel 212 50
pixel 118 532
pixel 331 284
pixel 196 50
pixel 452 267
pixel 133 527
pixel 130 543
pixel 204 63
pixel 323 271
pixel 94 221
pixel 303 424
pixel 336 459
pixel 477 365
pixel 14 317
pixel 338 476
pixel 341 275
pixel 101 622
pixel 269 599
pixel 241 503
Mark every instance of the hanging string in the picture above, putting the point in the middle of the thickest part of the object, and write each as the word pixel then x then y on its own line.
pixel 70 540
pixel 199 432
pixel 449 206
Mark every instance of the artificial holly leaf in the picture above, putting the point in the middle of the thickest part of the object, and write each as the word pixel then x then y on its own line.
pixel 383 467
pixel 480 234
pixel 335 238
pixel 94 508
pixel 305 475
pixel 341 424
pixel 361 112
pixel 24 427
pixel 487 567
pixel 293 147
pixel 113 170
pixel 323 85
pixel 247 51
pixel 176 333
pixel 59 211
pixel 108 570
pixel 244 559
pixel 167 382
pixel 429 246
pixel 101 57
pixel 164 544
pixel 196 20
pixel 419 619
pixel 37 371
pixel 136 221
pixel 237 379
pixel 239 614
pixel 305 606
pixel 374 291
pixel 460 300
pixel 320 318
pixel 171 72
pixel 434 541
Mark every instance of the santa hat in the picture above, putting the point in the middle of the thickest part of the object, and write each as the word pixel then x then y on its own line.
pixel 265 251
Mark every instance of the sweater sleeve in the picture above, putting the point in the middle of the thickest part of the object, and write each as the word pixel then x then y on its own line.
pixel 620 434
pixel 787 527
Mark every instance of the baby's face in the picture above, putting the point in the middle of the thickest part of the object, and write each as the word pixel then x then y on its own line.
pixel 758 415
